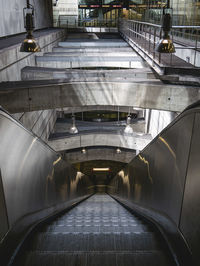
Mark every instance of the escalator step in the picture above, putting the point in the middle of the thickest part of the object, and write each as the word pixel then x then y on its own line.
pixel 155 258
pixel 96 229
pixel 97 232
pixel 94 242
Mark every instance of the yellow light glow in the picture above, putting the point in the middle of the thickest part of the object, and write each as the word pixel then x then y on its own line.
pixel 148 168
pixel 58 160
pixel 168 146
pixel 101 169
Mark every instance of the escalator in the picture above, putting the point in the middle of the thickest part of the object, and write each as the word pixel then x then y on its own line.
pixel 49 214
pixel 99 231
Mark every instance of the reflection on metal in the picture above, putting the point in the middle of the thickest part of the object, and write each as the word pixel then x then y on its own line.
pixel 26 156
pixel 125 179
pixel 74 183
pixel 168 146
pixel 148 168
pixel 137 191
pixel 57 161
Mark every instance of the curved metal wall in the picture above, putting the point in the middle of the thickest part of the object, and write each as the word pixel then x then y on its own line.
pixel 34 178
pixel 164 177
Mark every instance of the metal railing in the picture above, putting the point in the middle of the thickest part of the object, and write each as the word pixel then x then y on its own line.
pixel 146 35
pixel 65 22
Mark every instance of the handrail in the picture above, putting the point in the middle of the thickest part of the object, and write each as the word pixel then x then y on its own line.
pixel 159 26
pixel 145 36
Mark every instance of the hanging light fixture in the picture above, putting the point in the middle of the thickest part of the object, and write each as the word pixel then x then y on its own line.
pixel 83 150
pixel 73 129
pixel 118 150
pixel 128 129
pixel 29 45
pixel 165 45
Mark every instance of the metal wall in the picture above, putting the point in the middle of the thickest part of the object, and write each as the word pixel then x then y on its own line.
pixel 165 177
pixel 34 177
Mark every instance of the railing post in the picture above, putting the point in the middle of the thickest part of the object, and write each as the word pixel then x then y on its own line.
pixel 145 38
pixel 195 51
pixel 171 56
pixel 159 57
pixel 149 40
pixel 154 43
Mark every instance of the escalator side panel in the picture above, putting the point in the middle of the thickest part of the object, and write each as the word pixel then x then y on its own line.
pixel 36 181
pixel 190 216
pixel 155 179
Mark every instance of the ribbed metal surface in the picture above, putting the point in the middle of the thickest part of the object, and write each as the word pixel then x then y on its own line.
pixel 99 231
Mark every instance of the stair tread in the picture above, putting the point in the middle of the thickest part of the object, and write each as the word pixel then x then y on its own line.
pixel 154 258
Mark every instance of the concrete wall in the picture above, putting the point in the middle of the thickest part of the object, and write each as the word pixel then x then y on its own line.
pixel 39 122
pixel 11 15
pixel 12 60
pixel 157 120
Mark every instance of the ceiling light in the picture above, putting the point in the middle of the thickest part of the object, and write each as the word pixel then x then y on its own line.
pixel 83 151
pixel 118 151
pixel 166 45
pixel 128 129
pixel 29 45
pixel 73 129
pixel 101 169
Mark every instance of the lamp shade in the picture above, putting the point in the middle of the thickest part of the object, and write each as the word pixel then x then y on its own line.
pixel 73 129
pixel 165 45
pixel 29 45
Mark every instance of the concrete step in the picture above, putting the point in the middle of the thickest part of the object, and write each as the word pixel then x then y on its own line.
pixel 92 49
pixel 89 61
pixel 87 58
pixel 40 73
pixel 93 54
pixel 94 44
pixel 94 40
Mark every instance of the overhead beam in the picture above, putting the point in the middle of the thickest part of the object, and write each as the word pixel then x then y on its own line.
pixel 29 96
pixel 99 139
pixel 99 154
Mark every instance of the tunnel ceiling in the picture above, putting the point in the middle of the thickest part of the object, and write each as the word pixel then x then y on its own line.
pixel 87 167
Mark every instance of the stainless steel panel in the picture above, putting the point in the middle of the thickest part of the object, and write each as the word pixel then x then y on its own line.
pixel 3 212
pixel 190 218
pixel 165 177
pixel 155 178
pixel 34 176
